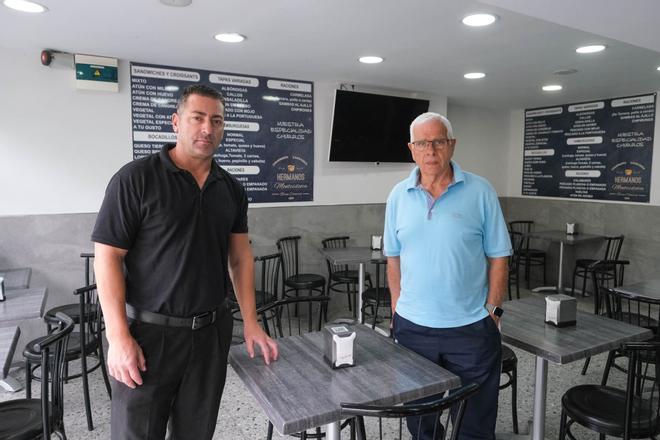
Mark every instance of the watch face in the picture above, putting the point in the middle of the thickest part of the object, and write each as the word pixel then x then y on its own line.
pixel 497 311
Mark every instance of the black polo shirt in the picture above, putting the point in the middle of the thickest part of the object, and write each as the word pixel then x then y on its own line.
pixel 176 234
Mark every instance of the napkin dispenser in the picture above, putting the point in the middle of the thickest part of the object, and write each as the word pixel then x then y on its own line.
pixel 560 310
pixel 338 342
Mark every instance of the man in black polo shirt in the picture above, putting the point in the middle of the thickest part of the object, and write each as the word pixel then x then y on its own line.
pixel 169 227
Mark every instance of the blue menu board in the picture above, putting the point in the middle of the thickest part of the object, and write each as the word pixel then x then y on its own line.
pixel 592 150
pixel 268 143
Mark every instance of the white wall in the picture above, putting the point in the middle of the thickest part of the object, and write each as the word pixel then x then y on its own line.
pixel 515 159
pixel 482 140
pixel 59 146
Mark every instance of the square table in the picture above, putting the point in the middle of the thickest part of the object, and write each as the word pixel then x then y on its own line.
pixel 301 390
pixel 359 256
pixel 16 278
pixel 22 304
pixel 523 326
pixel 8 340
pixel 563 239
pixel 649 289
pixel 19 305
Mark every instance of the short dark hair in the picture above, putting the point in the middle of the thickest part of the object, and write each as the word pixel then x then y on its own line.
pixel 199 89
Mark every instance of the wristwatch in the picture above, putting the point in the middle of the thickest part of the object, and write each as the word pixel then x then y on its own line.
pixel 495 310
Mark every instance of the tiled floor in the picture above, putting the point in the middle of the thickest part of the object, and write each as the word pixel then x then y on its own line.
pixel 241 418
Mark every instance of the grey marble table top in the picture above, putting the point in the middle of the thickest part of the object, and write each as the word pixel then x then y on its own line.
pixel 563 237
pixel 8 339
pixel 352 255
pixel 645 289
pixel 22 304
pixel 16 278
pixel 523 326
pixel 301 391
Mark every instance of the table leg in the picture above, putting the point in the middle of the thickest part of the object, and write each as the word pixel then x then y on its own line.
pixel 560 284
pixel 358 302
pixel 333 431
pixel 540 390
pixel 11 384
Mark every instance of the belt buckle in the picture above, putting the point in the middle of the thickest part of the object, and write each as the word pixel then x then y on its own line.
pixel 200 321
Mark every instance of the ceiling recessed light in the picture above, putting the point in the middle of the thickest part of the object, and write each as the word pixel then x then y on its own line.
pixel 474 75
pixel 564 72
pixel 25 6
pixel 658 68
pixel 591 49
pixel 230 37
pixel 477 20
pixel 552 88
pixel 176 3
pixel 370 59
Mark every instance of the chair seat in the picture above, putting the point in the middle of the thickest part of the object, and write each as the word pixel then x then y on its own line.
pixel 602 409
pixel 71 310
pixel 305 281
pixel 532 253
pixel 509 359
pixel 369 296
pixel 21 419
pixel 347 276
pixel 72 349
pixel 584 263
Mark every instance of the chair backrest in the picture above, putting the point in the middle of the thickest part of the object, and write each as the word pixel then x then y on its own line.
pixel 613 247
pixel 642 409
pixel 268 270
pixel 456 400
pixel 522 227
pixel 602 293
pixel 291 316
pixel 90 276
pixel 53 363
pixel 517 242
pixel 335 243
pixel 91 316
pixel 288 247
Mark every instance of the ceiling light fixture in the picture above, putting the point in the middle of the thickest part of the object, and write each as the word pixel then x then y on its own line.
pixel 25 6
pixel 552 88
pixel 591 49
pixel 176 3
pixel 229 37
pixel 474 75
pixel 658 68
pixel 371 59
pixel 477 20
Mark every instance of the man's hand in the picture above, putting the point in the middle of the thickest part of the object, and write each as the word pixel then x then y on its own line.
pixel 125 361
pixel 254 334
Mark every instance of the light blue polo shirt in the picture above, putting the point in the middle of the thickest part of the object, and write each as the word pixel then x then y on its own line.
pixel 443 245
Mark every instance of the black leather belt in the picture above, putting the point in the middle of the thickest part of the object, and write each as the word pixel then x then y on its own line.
pixel 195 322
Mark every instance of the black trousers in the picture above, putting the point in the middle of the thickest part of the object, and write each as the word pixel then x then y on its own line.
pixel 474 353
pixel 185 377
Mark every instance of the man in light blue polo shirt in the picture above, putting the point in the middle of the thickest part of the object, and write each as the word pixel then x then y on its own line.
pixel 447 248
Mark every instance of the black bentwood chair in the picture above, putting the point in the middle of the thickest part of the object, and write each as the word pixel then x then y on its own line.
pixel 85 344
pixel 280 319
pixel 340 277
pixel 517 242
pixel 376 297
pixel 23 419
pixel 456 399
pixel 600 298
pixel 294 281
pixel 607 273
pixel 529 257
pixel 628 413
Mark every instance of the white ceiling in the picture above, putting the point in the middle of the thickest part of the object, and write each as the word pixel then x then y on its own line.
pixel 425 46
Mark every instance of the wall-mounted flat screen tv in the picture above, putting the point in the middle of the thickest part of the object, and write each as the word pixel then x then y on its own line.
pixel 372 128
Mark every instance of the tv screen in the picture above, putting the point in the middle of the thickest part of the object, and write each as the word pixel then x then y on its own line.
pixel 372 128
